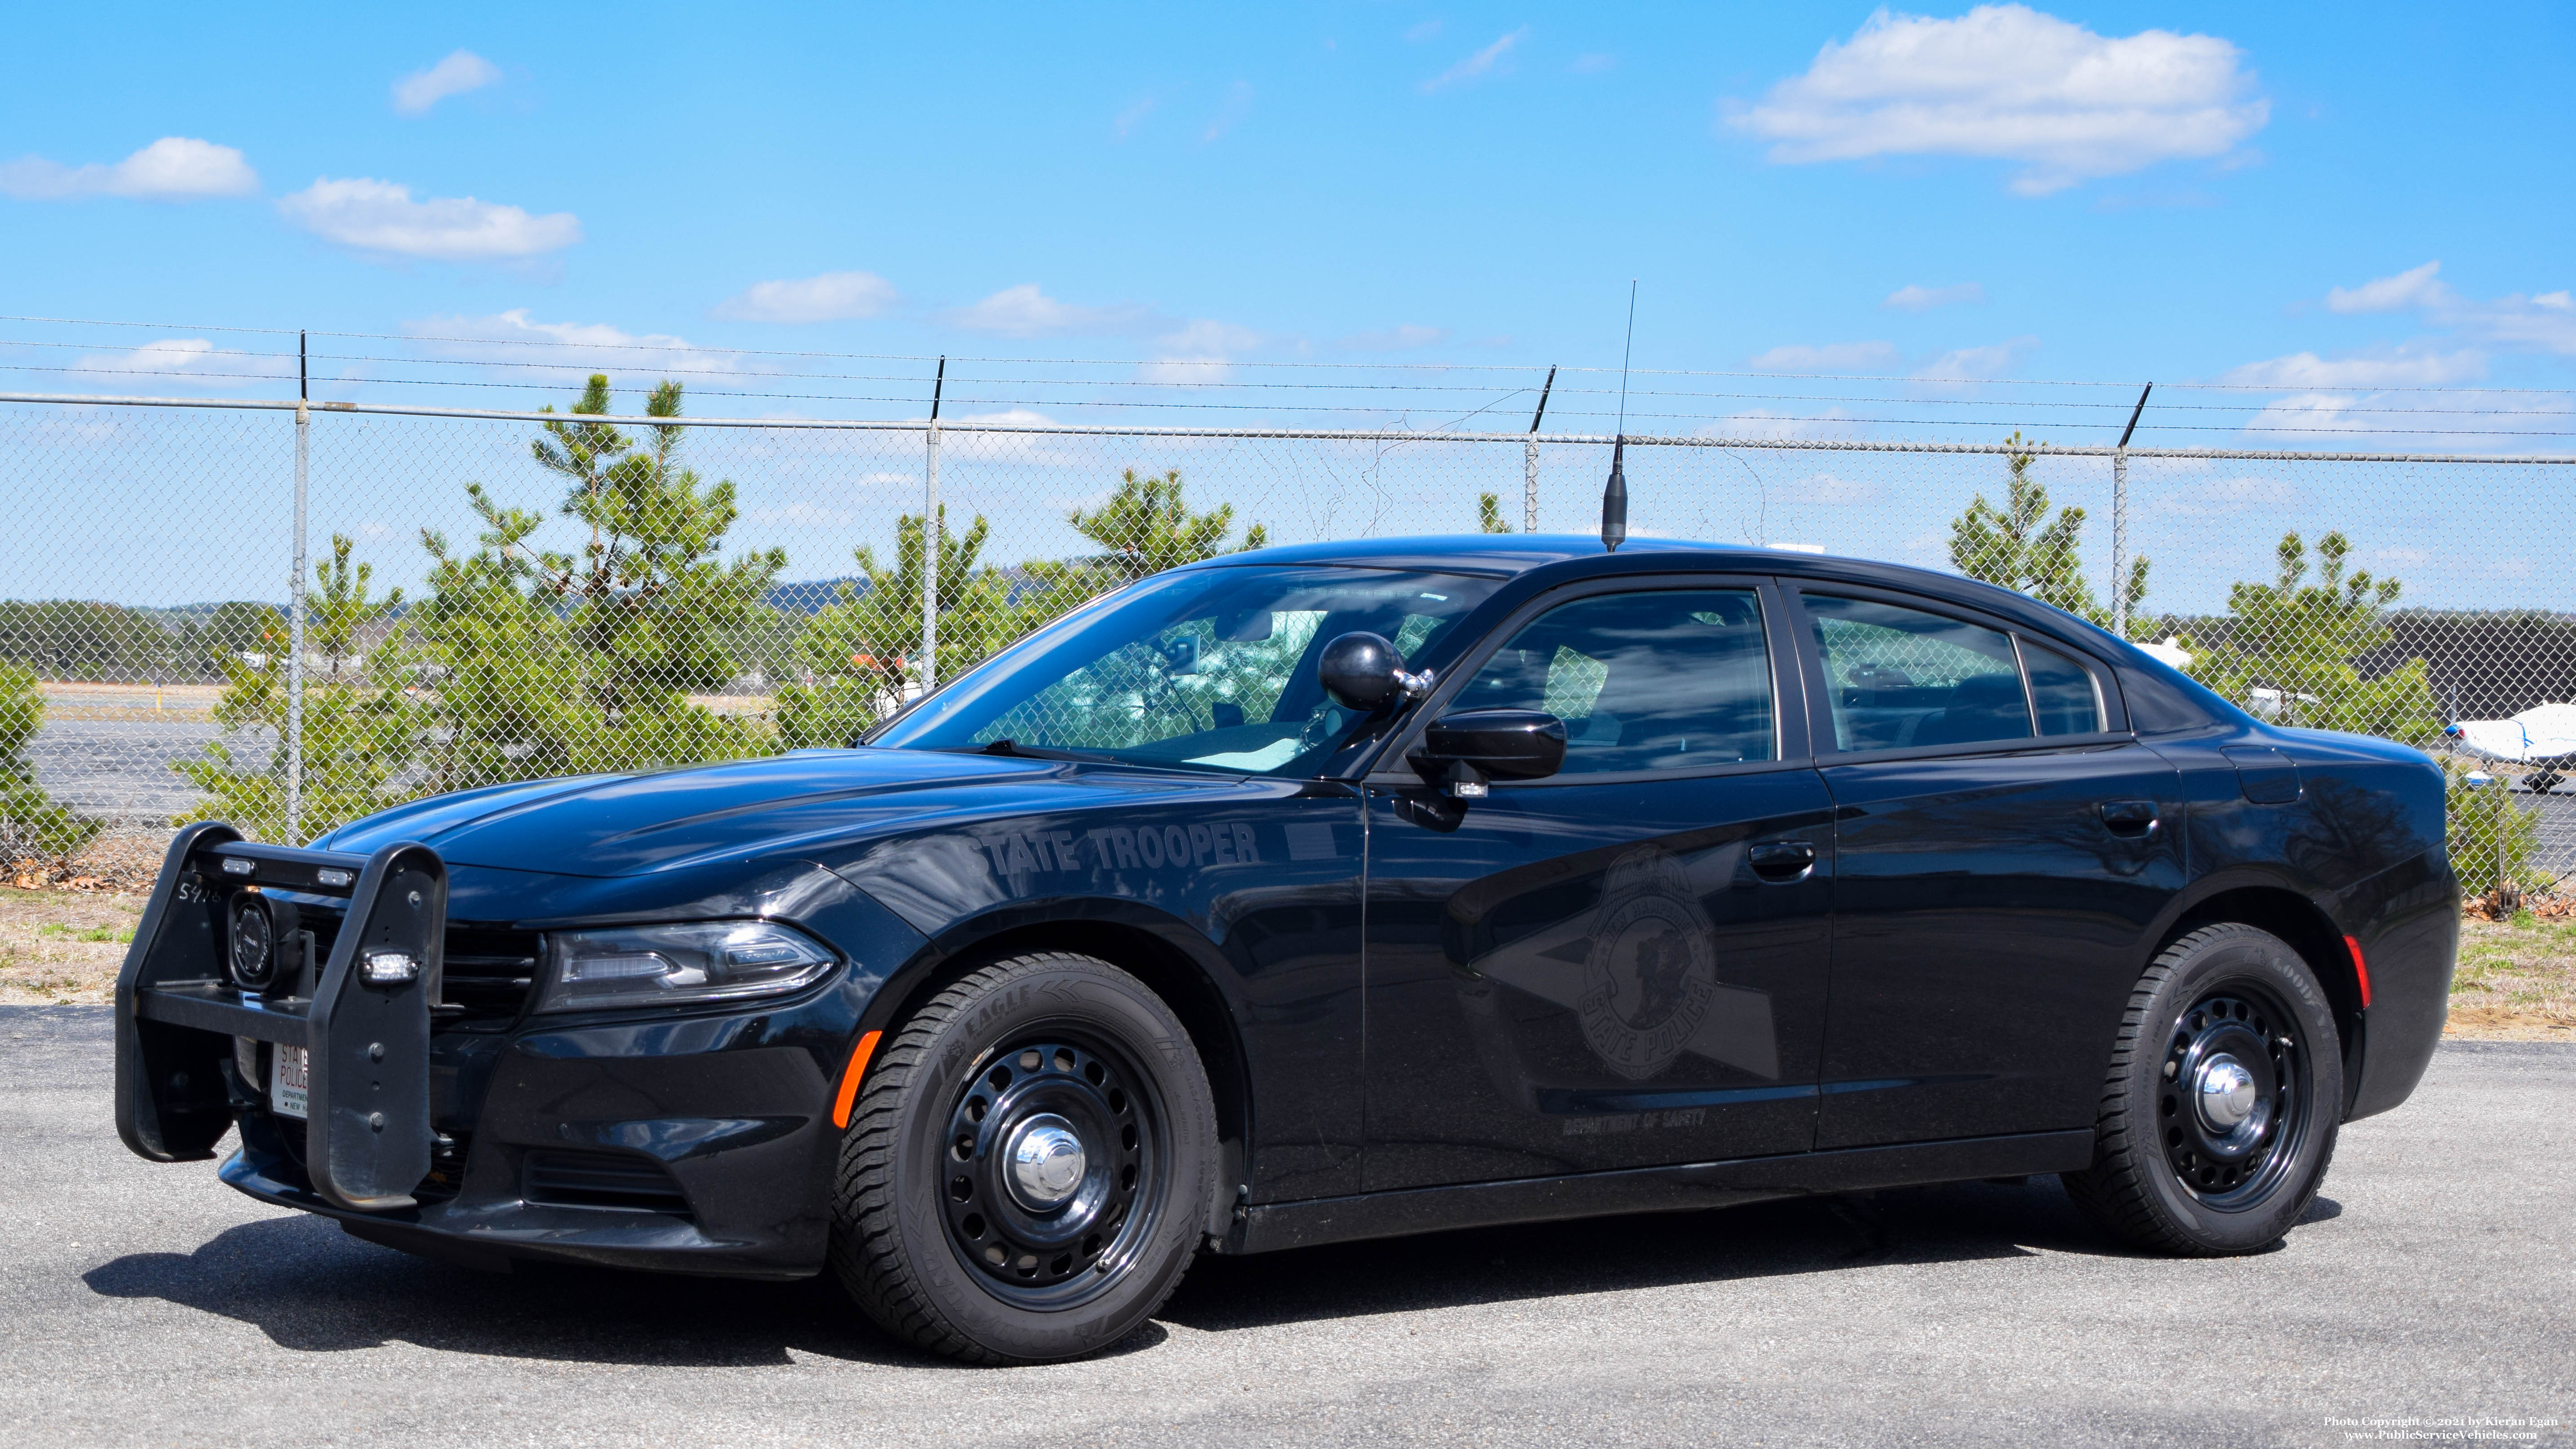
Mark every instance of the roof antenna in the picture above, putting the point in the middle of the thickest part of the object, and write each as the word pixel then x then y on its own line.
pixel 1614 494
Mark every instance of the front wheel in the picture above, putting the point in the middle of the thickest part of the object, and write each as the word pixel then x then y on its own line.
pixel 2219 1110
pixel 1028 1169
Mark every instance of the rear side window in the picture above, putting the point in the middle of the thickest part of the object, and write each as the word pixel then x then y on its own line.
pixel 1898 677
pixel 2063 691
pixel 1667 679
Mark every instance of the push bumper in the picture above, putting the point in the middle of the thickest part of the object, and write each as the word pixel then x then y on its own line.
pixel 696 1144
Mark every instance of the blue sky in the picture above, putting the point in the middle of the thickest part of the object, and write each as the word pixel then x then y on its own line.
pixel 2115 191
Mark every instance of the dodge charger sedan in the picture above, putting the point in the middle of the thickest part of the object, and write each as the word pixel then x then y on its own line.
pixel 1324 893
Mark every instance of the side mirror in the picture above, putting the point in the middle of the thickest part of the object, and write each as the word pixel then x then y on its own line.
pixel 1462 750
pixel 1362 671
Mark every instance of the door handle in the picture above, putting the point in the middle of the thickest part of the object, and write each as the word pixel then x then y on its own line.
pixel 1782 862
pixel 2135 819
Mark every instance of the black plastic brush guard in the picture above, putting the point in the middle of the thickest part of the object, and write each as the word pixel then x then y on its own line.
pixel 367 1133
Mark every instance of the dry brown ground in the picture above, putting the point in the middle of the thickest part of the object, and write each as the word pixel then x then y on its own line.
pixel 63 945
pixel 2517 980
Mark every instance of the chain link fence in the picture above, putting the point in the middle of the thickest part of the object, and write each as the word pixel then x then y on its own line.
pixel 489 596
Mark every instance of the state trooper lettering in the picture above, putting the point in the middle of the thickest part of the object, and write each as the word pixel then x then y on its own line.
pixel 1118 847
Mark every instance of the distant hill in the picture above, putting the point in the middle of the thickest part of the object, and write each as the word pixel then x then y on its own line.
pixel 808 597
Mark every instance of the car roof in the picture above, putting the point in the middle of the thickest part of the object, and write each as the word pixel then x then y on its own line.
pixel 1566 556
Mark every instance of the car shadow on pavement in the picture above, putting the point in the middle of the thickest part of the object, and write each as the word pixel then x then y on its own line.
pixel 1961 1222
pixel 312 1288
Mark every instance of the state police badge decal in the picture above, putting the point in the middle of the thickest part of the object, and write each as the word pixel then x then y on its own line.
pixel 1651 976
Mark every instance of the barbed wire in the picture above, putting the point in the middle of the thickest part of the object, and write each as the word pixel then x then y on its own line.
pixel 676 345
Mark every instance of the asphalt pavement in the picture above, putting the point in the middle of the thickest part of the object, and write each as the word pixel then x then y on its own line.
pixel 2432 1287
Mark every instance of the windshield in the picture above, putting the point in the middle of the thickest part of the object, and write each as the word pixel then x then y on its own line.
pixel 1210 669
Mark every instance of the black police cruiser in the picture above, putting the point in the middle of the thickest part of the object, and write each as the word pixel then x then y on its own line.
pixel 1323 893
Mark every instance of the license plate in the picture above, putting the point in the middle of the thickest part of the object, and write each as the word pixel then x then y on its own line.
pixel 288 1074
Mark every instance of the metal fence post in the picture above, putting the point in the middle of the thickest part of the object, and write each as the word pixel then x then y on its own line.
pixel 2120 543
pixel 295 640
pixel 2120 519
pixel 1529 459
pixel 930 533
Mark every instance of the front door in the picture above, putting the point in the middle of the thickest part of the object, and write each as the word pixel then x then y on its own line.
pixel 2001 852
pixel 1624 964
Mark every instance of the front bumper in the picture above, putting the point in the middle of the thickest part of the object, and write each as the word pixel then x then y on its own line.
pixel 693 1141
pixel 706 1149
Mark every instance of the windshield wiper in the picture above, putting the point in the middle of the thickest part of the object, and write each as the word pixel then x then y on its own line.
pixel 1016 750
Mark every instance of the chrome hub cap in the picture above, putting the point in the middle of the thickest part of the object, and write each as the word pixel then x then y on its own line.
pixel 2226 1092
pixel 1047 1163
pixel 2234 1097
pixel 1054 1169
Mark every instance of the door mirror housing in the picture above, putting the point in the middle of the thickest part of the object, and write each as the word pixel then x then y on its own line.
pixel 1465 748
pixel 1362 671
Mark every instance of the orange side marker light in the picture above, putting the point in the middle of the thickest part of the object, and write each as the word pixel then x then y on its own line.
pixel 2360 972
pixel 858 1068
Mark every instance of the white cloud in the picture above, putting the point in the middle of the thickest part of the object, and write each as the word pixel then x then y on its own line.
pixel 503 341
pixel 190 362
pixel 174 168
pixel 1402 338
pixel 831 297
pixel 1207 337
pixel 1476 66
pixel 460 72
pixel 1126 122
pixel 2008 82
pixel 1594 64
pixel 2418 287
pixel 1831 357
pixel 380 216
pixel 802 515
pixel 1423 30
pixel 1917 298
pixel 1975 364
pixel 1229 114
pixel 2401 367
pixel 2218 497
pixel 1197 352
pixel 2545 323
pixel 1025 311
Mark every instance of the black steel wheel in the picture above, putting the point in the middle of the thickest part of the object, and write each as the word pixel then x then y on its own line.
pixel 2219 1110
pixel 1059 1168
pixel 1030 1164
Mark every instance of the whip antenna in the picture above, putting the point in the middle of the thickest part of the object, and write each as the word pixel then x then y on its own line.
pixel 1614 494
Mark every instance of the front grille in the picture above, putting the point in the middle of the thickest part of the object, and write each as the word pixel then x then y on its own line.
pixel 489 971
pixel 488 974
pixel 601 1180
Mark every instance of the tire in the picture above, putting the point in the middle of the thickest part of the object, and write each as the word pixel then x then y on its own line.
pixel 948 1242
pixel 2219 1110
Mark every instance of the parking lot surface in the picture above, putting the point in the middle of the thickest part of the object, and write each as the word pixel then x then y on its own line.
pixel 149 1304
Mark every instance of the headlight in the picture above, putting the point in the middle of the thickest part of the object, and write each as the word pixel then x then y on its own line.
pixel 655 965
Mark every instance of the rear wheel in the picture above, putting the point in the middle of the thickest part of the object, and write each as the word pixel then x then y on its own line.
pixel 1028 1168
pixel 2219 1109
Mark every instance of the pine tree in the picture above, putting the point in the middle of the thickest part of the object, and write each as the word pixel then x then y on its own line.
pixel 2303 640
pixel 359 727
pixel 33 826
pixel 2020 547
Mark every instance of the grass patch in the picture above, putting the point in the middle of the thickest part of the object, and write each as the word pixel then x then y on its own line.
pixel 2517 980
pixel 87 933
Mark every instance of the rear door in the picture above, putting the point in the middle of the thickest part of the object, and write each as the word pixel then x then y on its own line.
pixel 1625 964
pixel 2002 846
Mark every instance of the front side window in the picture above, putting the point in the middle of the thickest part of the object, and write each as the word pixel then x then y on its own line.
pixel 1900 677
pixel 1210 669
pixel 1667 679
